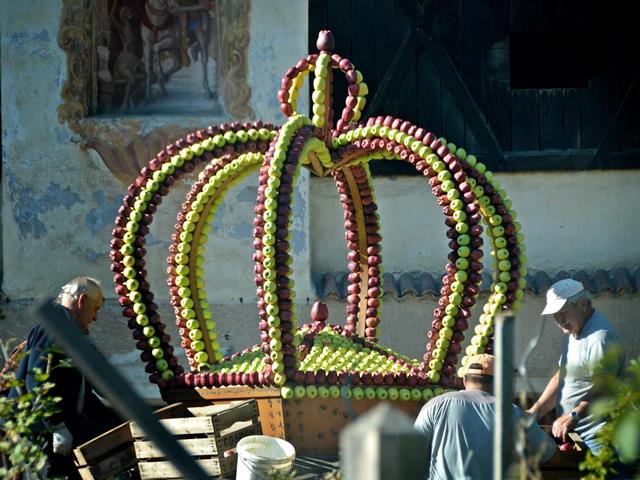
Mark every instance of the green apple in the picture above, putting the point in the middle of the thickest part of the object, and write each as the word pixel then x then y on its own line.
pixel 416 394
pixel 157 353
pixel 357 392
pixel 323 392
pixel 195 334
pixel 148 331
pixel 201 357
pixel 334 391
pixel 312 391
pixel 346 392
pixel 427 394
pixel 461 227
pixel 370 393
pixel 161 364
pixel 433 376
pixel 381 393
pixel 135 296
pixel 435 364
pixel 462 263
pixel 393 393
pixel 404 394
pixel 287 392
pixel 299 391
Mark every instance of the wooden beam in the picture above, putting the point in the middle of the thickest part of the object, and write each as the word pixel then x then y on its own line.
pixel 442 63
pixel 398 65
pixel 615 129
pixel 569 160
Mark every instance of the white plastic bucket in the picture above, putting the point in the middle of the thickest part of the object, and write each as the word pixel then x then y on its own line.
pixel 260 456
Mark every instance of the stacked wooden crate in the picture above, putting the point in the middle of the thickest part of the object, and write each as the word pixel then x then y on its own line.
pixel 210 436
pixel 209 433
pixel 112 453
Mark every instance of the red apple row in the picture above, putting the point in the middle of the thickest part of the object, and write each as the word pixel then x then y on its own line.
pixel 361 222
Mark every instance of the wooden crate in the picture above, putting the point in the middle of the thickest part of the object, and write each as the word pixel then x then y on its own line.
pixel 210 436
pixel 268 398
pixel 112 452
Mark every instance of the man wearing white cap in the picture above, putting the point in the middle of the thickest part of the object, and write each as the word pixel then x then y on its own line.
pixel 459 427
pixel 589 336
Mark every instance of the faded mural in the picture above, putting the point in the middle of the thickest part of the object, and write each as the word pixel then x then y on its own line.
pixel 156 59
pixel 157 56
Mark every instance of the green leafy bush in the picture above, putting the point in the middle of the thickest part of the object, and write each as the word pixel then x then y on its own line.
pixel 620 403
pixel 21 440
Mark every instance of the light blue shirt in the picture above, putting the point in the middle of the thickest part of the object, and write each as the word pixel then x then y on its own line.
pixel 581 356
pixel 459 428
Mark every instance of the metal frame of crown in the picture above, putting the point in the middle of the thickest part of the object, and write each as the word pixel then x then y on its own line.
pixel 314 359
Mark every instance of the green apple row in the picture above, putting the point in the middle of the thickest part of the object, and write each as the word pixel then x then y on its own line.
pixel 202 328
pixel 319 149
pixel 132 283
pixel 321 90
pixel 268 240
pixel 444 175
pixel 291 391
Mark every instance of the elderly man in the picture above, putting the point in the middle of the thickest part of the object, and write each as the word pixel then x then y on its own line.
pixel 589 337
pixel 80 410
pixel 459 427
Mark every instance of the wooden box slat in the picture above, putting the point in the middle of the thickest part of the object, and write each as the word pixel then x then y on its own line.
pixel 233 414
pixel 179 426
pixel 112 452
pixel 196 447
pixel 91 451
pixel 110 465
pixel 231 436
pixel 166 470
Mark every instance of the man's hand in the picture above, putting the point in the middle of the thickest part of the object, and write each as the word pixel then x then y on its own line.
pixel 562 426
pixel 62 439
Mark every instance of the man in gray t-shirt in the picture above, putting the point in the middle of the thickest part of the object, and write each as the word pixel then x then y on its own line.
pixel 459 427
pixel 589 337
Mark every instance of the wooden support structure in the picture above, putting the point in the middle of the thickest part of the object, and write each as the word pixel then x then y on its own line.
pixel 312 425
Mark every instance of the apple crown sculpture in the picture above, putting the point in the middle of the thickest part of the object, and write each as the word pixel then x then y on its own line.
pixel 328 359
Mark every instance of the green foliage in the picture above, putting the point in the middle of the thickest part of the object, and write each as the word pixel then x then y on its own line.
pixel 620 404
pixel 21 439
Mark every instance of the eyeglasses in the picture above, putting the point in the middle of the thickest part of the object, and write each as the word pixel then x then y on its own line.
pixel 560 317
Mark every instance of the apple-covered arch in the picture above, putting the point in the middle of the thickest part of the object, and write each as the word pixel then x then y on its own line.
pixel 316 353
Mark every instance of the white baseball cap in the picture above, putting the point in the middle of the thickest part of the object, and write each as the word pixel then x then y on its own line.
pixel 559 293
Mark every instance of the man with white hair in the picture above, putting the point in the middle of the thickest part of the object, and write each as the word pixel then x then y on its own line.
pixel 589 338
pixel 80 410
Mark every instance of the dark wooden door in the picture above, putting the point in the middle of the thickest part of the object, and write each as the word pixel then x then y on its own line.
pixel 526 85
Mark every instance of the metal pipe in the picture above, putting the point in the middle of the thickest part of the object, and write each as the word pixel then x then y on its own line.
pixel 503 433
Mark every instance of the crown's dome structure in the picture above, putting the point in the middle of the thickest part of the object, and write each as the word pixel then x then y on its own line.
pixel 315 358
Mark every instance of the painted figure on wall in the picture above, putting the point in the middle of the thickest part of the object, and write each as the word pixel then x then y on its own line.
pixel 151 57
pixel 158 56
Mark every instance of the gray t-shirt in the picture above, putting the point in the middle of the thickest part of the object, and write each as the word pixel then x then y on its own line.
pixel 581 356
pixel 459 428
